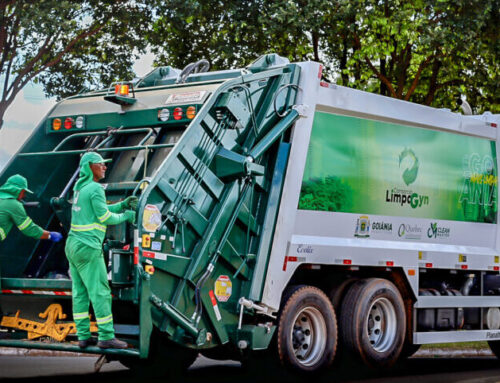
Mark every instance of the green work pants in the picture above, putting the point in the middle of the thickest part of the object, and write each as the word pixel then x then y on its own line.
pixel 90 284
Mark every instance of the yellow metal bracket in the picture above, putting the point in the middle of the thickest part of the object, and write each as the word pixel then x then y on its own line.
pixel 53 313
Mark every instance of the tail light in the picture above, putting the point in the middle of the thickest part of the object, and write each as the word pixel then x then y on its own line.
pixel 163 114
pixel 68 123
pixel 177 113
pixel 79 122
pixel 191 112
pixel 56 124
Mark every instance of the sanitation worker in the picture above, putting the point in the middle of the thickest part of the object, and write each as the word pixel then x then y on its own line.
pixel 89 217
pixel 12 211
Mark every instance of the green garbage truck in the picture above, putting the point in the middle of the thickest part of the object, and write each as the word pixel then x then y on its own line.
pixel 278 214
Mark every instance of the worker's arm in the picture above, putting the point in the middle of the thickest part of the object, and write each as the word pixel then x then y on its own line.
pixel 102 211
pixel 127 203
pixel 25 224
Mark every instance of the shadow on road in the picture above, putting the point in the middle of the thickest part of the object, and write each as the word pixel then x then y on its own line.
pixel 442 370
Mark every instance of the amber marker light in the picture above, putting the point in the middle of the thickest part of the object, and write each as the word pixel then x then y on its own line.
pixel 56 124
pixel 191 112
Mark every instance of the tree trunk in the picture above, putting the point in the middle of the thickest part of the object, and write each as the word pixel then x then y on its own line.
pixel 383 72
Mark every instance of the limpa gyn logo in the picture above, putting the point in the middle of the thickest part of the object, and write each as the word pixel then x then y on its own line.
pixel 402 195
pixel 411 171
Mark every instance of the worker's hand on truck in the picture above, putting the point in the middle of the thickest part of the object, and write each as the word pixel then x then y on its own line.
pixel 131 202
pixel 130 215
pixel 54 236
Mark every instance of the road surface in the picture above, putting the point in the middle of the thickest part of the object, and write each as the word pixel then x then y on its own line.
pixel 40 369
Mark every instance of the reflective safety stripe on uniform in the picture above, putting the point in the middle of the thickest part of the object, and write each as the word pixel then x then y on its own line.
pixel 2 234
pixel 105 217
pixel 25 224
pixel 104 320
pixel 77 316
pixel 92 226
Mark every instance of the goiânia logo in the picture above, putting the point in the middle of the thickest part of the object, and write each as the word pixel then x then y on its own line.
pixel 410 174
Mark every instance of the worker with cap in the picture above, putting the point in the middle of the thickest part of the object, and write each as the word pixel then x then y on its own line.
pixel 12 211
pixel 89 218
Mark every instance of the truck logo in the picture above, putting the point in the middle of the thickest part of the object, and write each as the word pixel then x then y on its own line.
pixel 362 227
pixel 410 174
pixel 434 231
pixel 408 231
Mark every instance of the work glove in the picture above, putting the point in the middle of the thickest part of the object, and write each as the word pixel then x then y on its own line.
pixel 131 202
pixel 130 215
pixel 54 236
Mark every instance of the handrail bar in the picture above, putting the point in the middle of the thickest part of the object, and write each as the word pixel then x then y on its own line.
pixel 123 148
pixel 104 132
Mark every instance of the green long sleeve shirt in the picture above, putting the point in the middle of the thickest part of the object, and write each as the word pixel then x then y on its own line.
pixel 91 214
pixel 12 213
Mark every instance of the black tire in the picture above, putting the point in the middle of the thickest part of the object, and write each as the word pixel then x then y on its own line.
pixel 495 347
pixel 165 359
pixel 376 340
pixel 409 349
pixel 307 331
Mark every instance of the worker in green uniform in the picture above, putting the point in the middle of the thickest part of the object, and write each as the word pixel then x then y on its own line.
pixel 89 218
pixel 12 211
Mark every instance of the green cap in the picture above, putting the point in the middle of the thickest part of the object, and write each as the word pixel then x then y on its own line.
pixel 92 158
pixel 14 185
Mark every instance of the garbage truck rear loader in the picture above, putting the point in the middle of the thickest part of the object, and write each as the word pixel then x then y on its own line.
pixel 276 212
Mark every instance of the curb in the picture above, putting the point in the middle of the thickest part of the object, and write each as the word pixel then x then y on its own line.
pixel 452 353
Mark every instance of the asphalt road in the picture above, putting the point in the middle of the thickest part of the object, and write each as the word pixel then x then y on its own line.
pixel 65 369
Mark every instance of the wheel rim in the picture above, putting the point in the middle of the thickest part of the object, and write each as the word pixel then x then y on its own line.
pixel 308 336
pixel 381 325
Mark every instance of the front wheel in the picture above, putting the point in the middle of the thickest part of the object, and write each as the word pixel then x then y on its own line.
pixel 372 322
pixel 307 331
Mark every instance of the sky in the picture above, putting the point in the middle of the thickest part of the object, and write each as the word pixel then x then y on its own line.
pixel 31 106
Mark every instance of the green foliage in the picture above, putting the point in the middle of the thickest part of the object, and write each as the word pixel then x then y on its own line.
pixel 326 194
pixel 68 46
pixel 423 51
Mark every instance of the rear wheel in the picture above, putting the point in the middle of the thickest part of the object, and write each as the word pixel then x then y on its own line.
pixel 372 322
pixel 495 347
pixel 307 331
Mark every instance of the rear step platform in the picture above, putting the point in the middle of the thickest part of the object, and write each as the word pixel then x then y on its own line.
pixel 70 347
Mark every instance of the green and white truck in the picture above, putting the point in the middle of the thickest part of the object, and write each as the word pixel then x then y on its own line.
pixel 278 214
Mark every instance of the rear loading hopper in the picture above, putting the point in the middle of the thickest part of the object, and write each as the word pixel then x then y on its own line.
pixel 206 155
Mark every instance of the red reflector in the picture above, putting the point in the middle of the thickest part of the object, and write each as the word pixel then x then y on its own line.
pixel 464 267
pixel 68 123
pixel 493 125
pixel 177 113
pixel 324 84
pixel 136 255
pixel 411 272
pixel 496 268
pixel 347 262
pixel 428 265
pixel 292 259
pixel 212 298
pixel 389 263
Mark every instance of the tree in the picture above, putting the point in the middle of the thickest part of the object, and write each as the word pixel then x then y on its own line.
pixel 67 45
pixel 424 51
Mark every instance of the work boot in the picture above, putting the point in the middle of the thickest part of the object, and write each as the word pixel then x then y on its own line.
pixel 87 342
pixel 112 343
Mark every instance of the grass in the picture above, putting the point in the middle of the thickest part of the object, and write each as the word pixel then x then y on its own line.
pixel 457 346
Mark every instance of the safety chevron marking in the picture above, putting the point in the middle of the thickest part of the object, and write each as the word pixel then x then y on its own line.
pixel 37 292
